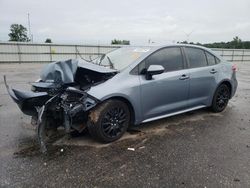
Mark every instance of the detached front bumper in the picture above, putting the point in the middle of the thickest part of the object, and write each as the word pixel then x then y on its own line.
pixel 27 101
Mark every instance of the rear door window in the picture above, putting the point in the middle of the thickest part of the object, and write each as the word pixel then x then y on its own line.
pixel 196 57
pixel 210 59
pixel 217 60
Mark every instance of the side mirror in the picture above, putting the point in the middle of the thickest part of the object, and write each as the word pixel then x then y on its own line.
pixel 153 70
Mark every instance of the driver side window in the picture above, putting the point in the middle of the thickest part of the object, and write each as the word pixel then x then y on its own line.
pixel 170 58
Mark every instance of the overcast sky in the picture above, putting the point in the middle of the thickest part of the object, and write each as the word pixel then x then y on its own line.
pixel 100 21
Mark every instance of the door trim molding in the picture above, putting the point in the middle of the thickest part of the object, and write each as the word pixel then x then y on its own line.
pixel 172 114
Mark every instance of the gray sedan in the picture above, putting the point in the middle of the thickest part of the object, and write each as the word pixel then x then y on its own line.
pixel 128 86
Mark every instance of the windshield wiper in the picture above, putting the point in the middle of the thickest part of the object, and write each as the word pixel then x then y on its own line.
pixel 110 62
pixel 102 57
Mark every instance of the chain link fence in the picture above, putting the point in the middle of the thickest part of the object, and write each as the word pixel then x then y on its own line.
pixel 14 52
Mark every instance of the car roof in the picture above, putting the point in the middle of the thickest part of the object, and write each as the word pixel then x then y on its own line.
pixel 157 47
pixel 179 45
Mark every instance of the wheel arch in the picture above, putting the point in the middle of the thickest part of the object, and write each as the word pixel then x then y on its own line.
pixel 228 84
pixel 214 106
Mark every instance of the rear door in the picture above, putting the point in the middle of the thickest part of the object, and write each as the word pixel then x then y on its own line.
pixel 202 76
pixel 167 92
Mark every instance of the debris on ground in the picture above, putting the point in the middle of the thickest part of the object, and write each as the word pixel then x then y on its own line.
pixel 131 149
pixel 236 179
pixel 242 128
pixel 142 147
pixel 123 166
pixel 133 131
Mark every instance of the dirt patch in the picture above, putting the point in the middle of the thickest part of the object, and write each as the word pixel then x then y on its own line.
pixel 28 151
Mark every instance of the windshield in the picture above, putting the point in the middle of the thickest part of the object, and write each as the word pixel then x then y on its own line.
pixel 121 57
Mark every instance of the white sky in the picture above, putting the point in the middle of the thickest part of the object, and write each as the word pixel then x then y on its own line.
pixel 100 21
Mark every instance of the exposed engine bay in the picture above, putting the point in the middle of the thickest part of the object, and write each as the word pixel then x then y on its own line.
pixel 59 97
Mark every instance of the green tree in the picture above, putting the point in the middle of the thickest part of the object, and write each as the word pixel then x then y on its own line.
pixel 120 42
pixel 237 39
pixel 48 40
pixel 183 42
pixel 236 42
pixel 18 33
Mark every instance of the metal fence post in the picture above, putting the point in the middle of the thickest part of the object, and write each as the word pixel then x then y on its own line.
pixel 76 51
pixel 50 53
pixel 19 53
pixel 242 55
pixel 233 56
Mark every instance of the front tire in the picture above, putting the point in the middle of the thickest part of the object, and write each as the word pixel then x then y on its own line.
pixel 221 98
pixel 109 121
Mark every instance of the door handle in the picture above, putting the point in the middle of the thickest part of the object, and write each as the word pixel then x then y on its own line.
pixel 213 71
pixel 184 77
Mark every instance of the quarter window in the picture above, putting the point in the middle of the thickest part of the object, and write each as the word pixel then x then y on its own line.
pixel 217 60
pixel 210 59
pixel 196 57
pixel 169 58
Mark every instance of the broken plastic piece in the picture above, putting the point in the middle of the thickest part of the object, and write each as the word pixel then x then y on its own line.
pixel 131 149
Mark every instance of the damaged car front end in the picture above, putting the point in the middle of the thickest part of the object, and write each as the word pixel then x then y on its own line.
pixel 59 98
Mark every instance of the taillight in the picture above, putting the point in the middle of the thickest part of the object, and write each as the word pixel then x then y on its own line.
pixel 234 68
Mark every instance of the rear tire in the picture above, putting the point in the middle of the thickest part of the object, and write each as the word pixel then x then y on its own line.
pixel 221 98
pixel 109 121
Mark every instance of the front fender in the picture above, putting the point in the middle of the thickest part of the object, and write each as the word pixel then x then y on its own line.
pixel 122 85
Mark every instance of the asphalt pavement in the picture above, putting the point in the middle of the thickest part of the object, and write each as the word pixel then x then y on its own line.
pixel 195 149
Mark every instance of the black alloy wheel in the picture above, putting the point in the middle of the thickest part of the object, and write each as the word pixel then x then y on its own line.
pixel 221 98
pixel 109 121
pixel 113 122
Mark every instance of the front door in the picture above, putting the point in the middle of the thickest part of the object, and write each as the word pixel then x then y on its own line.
pixel 167 92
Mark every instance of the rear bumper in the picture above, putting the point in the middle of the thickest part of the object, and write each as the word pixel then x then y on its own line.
pixel 27 101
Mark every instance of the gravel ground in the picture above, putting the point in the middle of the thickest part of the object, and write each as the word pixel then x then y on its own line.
pixel 196 149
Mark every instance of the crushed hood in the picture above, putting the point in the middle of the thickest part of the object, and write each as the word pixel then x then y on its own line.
pixel 65 71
